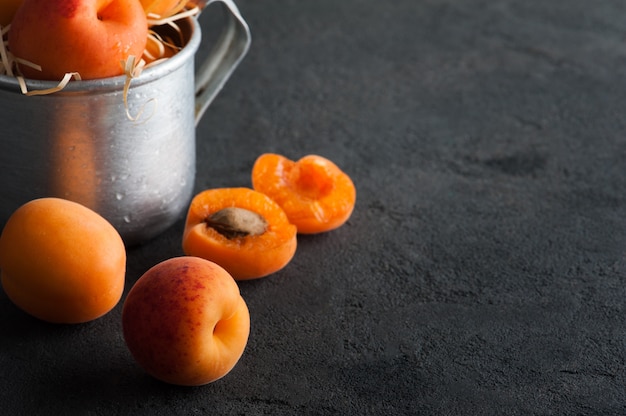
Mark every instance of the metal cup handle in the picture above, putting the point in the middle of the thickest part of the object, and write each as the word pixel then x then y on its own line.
pixel 229 50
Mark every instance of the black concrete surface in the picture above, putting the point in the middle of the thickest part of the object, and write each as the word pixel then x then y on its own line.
pixel 483 269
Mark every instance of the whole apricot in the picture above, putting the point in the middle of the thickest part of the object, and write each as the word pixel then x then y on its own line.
pixel 61 262
pixel 91 37
pixel 185 322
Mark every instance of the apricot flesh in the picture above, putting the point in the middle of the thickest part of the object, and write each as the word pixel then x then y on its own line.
pixel 314 192
pixel 61 262
pixel 185 322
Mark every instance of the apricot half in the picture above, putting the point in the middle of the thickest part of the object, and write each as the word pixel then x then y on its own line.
pixel 314 192
pixel 242 230
pixel 61 262
pixel 185 322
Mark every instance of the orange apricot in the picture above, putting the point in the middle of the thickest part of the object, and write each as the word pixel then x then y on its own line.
pixel 61 262
pixel 242 230
pixel 185 322
pixel 315 194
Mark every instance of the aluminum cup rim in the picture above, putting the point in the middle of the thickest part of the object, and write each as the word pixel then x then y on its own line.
pixel 115 84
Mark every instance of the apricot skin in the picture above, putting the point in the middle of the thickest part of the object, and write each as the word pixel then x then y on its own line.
pixel 61 262
pixel 90 37
pixel 185 322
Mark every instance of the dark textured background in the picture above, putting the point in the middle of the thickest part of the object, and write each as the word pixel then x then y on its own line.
pixel 483 269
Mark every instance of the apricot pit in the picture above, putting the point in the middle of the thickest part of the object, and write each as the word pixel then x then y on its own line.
pixel 233 222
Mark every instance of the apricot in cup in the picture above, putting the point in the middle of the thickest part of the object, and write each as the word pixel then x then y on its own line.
pixel 91 37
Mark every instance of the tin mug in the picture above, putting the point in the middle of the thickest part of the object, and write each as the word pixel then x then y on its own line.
pixel 80 143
